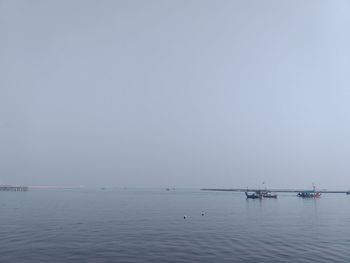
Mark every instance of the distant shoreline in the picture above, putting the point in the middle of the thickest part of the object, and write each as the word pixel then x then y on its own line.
pixel 53 187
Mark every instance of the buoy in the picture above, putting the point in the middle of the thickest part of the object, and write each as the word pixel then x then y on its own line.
pixel 185 217
pixel 202 214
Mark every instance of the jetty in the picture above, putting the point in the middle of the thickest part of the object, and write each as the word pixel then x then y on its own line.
pixel 13 188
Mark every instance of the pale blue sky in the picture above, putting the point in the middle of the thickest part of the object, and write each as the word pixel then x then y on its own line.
pixel 175 93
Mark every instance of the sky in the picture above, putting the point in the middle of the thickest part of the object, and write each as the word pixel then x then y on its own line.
pixel 185 93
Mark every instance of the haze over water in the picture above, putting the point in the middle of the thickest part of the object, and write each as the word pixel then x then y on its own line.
pixel 143 225
pixel 180 93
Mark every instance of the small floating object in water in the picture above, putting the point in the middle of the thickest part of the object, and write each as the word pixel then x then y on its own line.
pixel 185 217
pixel 202 213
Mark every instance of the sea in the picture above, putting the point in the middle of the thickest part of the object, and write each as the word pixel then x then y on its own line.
pixel 180 225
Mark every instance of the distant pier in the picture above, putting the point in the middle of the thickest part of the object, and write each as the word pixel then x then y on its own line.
pixel 13 188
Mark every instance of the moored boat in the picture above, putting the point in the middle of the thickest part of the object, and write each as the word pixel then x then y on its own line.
pixel 309 194
pixel 253 195
pixel 269 195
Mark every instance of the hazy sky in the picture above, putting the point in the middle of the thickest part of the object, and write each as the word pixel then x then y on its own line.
pixel 175 93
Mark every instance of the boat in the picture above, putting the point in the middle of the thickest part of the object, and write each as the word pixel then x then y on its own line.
pixel 269 195
pixel 253 195
pixel 309 194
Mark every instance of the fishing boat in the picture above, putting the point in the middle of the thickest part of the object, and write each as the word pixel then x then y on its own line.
pixel 253 195
pixel 269 195
pixel 309 194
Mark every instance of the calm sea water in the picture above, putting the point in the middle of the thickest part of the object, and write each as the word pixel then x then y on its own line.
pixel 149 226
